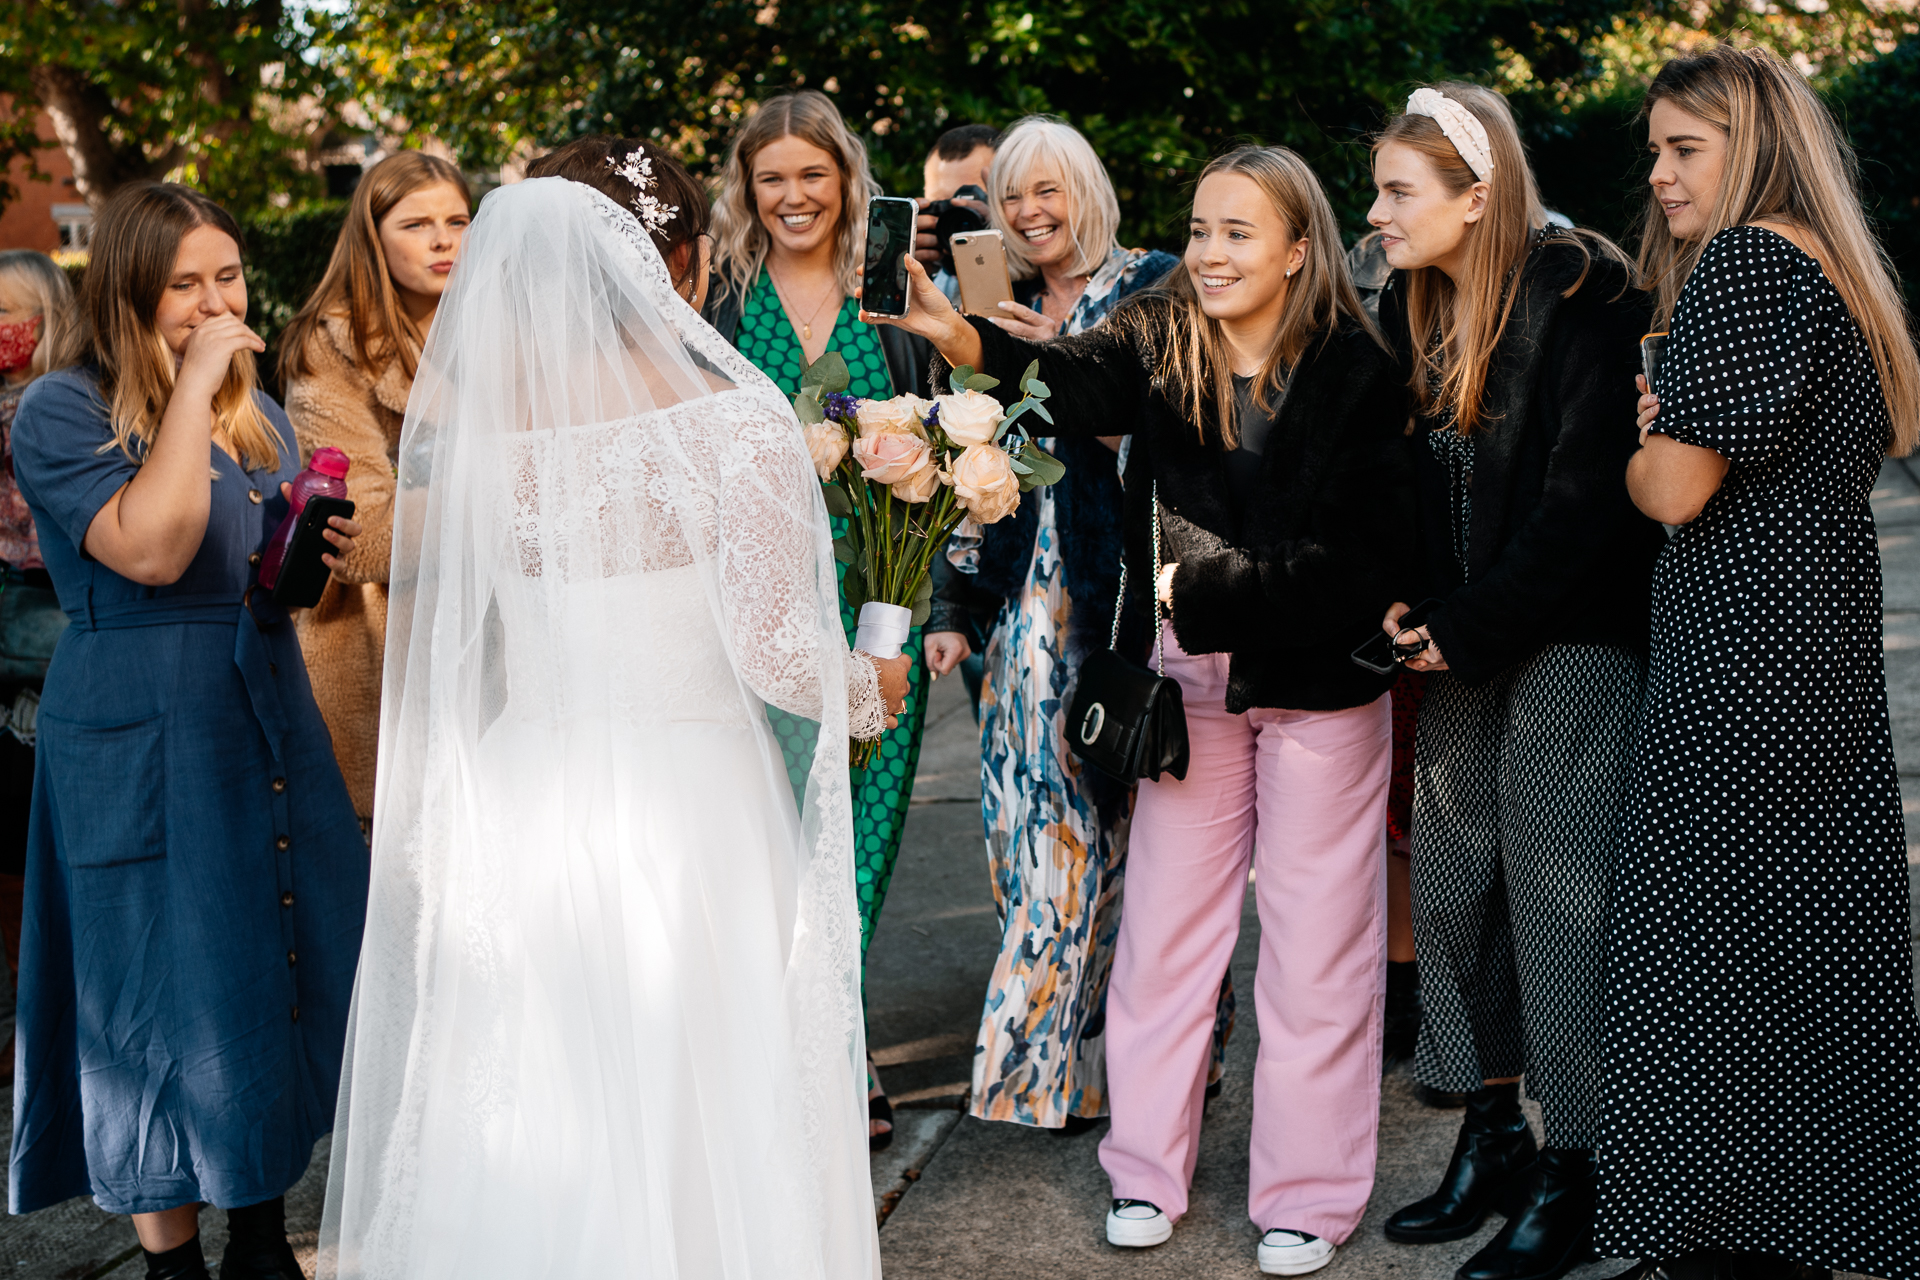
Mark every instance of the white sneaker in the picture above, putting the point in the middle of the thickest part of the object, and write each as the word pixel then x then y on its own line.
pixel 1292 1253
pixel 1137 1224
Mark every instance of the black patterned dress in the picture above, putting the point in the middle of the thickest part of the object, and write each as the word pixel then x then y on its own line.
pixel 1763 1076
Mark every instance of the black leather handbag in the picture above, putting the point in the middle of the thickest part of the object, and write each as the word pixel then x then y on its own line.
pixel 1125 720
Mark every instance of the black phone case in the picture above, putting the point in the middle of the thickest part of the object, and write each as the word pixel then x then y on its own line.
pixel 1375 653
pixel 302 575
pixel 883 278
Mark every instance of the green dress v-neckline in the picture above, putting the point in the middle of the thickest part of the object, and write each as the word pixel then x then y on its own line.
pixel 767 337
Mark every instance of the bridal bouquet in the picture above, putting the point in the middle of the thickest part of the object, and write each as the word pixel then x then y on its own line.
pixel 903 473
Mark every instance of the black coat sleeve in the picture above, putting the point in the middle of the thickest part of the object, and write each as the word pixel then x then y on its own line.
pixel 1345 553
pixel 1584 516
pixel 1098 379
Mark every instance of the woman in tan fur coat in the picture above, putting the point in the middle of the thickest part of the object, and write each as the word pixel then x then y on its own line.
pixel 347 364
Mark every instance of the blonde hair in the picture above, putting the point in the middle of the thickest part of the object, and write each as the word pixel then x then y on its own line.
pixel 1195 365
pixel 1470 318
pixel 1786 160
pixel 136 240
pixel 740 241
pixel 1035 145
pixel 41 282
pixel 357 283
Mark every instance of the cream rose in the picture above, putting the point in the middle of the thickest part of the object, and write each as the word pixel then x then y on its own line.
pixel 970 417
pixel 899 416
pixel 983 480
pixel 889 459
pixel 826 445
pixel 921 485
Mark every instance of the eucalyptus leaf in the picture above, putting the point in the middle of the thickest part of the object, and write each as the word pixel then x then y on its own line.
pixel 1013 416
pixel 838 503
pixel 843 550
pixel 1019 468
pixel 829 373
pixel 982 382
pixel 924 591
pixel 1036 388
pixel 809 409
pixel 854 587
pixel 1046 468
pixel 921 612
pixel 1042 411
pixel 959 378
pixel 1031 371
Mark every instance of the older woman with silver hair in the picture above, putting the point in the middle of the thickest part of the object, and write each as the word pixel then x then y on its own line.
pixel 1056 833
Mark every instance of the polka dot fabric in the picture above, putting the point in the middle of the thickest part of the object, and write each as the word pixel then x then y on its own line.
pixel 1518 788
pixel 882 791
pixel 1763 1075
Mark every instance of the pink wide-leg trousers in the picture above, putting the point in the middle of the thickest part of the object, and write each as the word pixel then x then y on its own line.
pixel 1301 795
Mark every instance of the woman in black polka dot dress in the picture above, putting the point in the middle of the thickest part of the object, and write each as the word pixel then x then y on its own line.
pixel 1763 1084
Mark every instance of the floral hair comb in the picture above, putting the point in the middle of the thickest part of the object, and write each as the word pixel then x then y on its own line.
pixel 638 170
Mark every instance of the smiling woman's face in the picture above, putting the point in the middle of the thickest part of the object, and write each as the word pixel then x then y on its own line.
pixel 1041 213
pixel 1239 249
pixel 1421 224
pixel 206 282
pixel 796 192
pixel 1689 157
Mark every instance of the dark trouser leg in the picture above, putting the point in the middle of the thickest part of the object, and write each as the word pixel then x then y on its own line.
pixel 1471 1030
pixel 1563 770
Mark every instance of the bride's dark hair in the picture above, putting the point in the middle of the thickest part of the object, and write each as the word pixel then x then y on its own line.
pixel 592 161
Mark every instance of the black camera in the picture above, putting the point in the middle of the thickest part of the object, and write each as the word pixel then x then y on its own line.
pixel 950 217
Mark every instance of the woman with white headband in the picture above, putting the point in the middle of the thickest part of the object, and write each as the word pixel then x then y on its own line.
pixel 1520 343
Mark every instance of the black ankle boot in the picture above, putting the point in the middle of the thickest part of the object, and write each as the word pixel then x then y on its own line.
pixel 257 1247
pixel 1402 1030
pixel 1552 1232
pixel 1490 1162
pixel 182 1262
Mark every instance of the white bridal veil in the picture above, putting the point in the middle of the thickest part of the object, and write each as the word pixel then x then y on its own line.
pixel 607 1014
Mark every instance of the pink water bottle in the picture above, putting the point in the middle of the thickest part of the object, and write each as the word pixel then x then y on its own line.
pixel 325 477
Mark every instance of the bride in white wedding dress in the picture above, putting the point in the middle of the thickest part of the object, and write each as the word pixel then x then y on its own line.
pixel 607 1021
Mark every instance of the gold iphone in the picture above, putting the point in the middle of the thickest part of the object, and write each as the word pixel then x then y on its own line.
pixel 980 265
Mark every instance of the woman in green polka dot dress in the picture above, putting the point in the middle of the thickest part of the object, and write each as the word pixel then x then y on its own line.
pixel 789 229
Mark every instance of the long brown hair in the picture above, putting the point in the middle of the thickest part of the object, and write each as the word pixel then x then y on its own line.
pixel 593 161
pixel 41 279
pixel 740 242
pixel 1471 318
pixel 136 241
pixel 1787 161
pixel 357 283
pixel 1195 366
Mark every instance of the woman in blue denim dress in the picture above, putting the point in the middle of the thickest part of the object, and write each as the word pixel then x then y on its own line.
pixel 196 877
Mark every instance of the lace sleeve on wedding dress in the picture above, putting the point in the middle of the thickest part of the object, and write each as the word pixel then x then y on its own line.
pixel 767 567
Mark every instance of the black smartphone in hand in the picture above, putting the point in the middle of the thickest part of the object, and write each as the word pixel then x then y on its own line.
pixel 303 575
pixel 1376 653
pixel 883 277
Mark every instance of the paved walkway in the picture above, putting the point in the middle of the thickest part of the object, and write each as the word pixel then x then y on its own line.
pixel 967 1200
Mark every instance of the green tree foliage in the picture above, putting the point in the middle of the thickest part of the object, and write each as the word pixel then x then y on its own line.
pixel 139 89
pixel 1157 86
pixel 1879 102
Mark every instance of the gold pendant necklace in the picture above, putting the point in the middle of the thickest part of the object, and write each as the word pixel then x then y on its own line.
pixel 806 326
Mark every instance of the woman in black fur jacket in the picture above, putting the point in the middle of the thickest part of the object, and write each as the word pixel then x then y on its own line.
pixel 1267 418
pixel 1520 343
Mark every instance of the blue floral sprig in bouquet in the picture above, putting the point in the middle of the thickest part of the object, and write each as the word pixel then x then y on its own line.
pixel 903 473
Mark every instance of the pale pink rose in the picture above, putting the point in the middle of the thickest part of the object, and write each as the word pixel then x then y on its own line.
pixel 921 485
pixel 888 459
pixel 970 417
pixel 899 416
pixel 826 445
pixel 983 480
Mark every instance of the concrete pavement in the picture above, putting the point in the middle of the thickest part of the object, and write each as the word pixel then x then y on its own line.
pixel 968 1200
